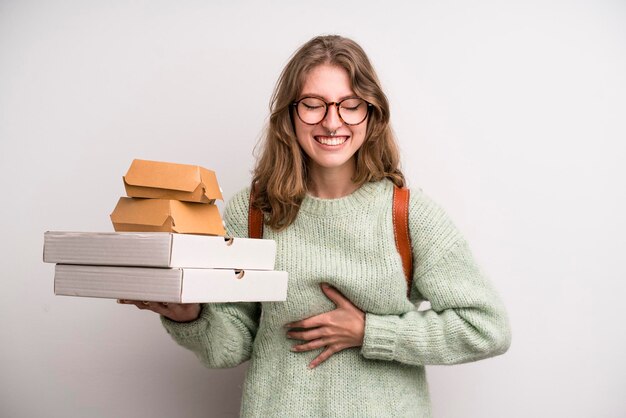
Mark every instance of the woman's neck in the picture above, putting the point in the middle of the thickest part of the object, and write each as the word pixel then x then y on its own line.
pixel 331 183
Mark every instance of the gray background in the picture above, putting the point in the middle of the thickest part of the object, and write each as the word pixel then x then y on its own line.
pixel 509 114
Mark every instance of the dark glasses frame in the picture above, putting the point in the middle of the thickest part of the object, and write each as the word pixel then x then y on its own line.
pixel 336 104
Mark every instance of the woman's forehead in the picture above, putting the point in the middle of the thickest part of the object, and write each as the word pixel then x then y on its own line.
pixel 328 81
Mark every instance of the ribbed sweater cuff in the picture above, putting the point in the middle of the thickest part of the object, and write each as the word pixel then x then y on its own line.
pixel 381 332
pixel 185 329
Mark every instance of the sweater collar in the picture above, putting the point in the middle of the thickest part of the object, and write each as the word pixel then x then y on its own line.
pixel 332 207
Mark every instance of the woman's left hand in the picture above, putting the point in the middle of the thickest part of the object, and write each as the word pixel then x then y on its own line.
pixel 341 328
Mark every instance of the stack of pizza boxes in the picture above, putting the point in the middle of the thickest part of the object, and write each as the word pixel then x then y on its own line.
pixel 169 246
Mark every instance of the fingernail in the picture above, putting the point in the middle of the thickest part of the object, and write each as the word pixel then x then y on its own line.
pixel 121 301
pixel 311 366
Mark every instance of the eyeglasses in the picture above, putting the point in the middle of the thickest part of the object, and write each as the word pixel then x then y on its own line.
pixel 313 110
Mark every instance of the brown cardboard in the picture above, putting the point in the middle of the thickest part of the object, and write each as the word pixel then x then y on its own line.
pixel 161 180
pixel 162 215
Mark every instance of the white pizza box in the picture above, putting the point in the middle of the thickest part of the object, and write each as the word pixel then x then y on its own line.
pixel 176 285
pixel 158 249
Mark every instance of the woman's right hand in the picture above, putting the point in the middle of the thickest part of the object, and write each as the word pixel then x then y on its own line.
pixel 179 312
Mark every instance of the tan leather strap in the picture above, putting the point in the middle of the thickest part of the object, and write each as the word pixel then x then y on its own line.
pixel 401 231
pixel 255 219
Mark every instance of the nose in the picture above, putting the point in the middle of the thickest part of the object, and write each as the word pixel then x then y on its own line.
pixel 332 121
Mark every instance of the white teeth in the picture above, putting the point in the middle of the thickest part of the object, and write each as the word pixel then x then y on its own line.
pixel 331 141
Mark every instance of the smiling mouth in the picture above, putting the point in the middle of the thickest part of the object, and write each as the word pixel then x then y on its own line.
pixel 331 140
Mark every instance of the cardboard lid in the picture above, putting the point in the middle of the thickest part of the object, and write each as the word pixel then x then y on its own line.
pixel 141 211
pixel 172 176
pixel 192 217
pixel 212 189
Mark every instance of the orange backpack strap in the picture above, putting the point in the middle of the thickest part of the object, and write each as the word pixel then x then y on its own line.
pixel 401 231
pixel 255 219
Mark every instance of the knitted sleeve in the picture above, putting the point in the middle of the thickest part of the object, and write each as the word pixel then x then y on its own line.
pixel 223 334
pixel 466 322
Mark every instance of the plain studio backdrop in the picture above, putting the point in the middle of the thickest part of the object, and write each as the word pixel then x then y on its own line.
pixel 510 114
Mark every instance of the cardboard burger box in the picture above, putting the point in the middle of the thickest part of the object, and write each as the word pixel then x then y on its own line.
pixel 161 180
pixel 162 215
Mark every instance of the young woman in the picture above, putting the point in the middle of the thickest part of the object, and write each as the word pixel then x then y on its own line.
pixel 348 341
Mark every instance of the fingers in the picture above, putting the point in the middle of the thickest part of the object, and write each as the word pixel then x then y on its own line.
pixel 316 344
pixel 312 322
pixel 324 355
pixel 312 345
pixel 335 295
pixel 335 330
pixel 308 335
pixel 158 307
pixel 316 321
pixel 179 312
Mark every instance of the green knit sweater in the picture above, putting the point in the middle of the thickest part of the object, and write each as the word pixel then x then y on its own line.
pixel 349 243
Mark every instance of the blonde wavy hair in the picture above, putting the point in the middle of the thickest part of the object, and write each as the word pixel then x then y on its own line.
pixel 280 177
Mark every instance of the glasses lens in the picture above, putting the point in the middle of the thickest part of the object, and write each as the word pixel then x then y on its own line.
pixel 311 110
pixel 353 111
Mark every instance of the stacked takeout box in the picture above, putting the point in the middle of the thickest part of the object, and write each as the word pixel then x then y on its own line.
pixel 169 197
pixel 169 246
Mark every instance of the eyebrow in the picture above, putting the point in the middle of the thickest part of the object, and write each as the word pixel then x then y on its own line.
pixel 324 98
